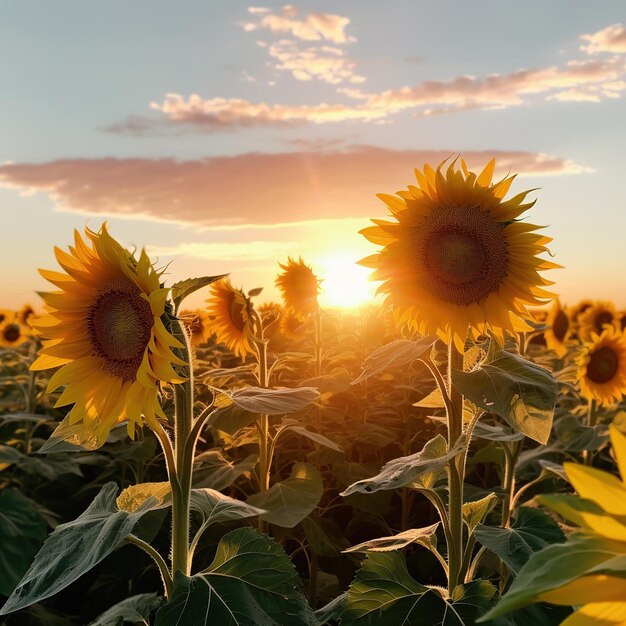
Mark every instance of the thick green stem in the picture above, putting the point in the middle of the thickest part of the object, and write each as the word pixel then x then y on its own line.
pixel 511 453
pixel 181 488
pixel 455 474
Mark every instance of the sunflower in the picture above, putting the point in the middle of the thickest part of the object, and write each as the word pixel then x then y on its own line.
pixel 231 317
pixel 106 327
pixel 26 315
pixel 299 287
pixel 579 309
pixel 559 330
pixel 293 327
pixel 6 315
pixel 457 257
pixel 197 325
pixel 12 334
pixel 595 318
pixel 602 367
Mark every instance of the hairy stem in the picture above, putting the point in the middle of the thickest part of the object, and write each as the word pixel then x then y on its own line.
pixel 158 559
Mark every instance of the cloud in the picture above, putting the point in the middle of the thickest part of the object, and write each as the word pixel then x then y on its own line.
pixel 325 63
pixel 609 39
pixel 591 80
pixel 313 27
pixel 230 193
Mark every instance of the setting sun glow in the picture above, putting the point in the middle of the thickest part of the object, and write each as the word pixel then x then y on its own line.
pixel 345 284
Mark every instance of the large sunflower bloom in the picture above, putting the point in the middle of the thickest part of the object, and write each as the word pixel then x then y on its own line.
pixel 580 308
pixel 602 367
pixel 595 318
pixel 230 317
pixel 559 330
pixel 26 315
pixel 105 327
pixel 12 334
pixel 457 257
pixel 299 287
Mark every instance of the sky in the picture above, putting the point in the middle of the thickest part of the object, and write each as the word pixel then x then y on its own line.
pixel 224 137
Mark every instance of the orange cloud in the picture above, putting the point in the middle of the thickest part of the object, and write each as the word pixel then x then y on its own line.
pixel 259 189
pixel 609 39
pixel 314 27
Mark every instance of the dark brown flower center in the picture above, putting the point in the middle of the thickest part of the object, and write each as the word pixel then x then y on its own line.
pixel 119 325
pixel 603 318
pixel 462 254
pixel 236 311
pixel 603 365
pixel 560 325
pixel 11 332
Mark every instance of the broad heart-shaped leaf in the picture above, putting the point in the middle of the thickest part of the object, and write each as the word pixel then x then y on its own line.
pixel 184 288
pixel 560 564
pixel 273 401
pixel 74 548
pixel 517 390
pixel 22 531
pixel 214 507
pixel 421 467
pixel 394 354
pixel 212 470
pixel 290 501
pixel 532 531
pixel 383 592
pixel 251 582
pixel 135 610
pixel 396 542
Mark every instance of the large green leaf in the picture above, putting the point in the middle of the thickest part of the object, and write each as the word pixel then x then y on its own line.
pixel 288 502
pixel 394 354
pixel 517 390
pixel 251 582
pixel 289 425
pixel 49 468
pixel 212 470
pixel 136 610
pixel 532 531
pixel 272 401
pixel 214 507
pixel 560 564
pixel 23 530
pixel 74 548
pixel 383 592
pixel 184 288
pixel 423 466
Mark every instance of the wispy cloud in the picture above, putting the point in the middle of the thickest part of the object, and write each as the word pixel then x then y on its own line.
pixel 227 251
pixel 250 189
pixel 312 27
pixel 609 39
pixel 323 62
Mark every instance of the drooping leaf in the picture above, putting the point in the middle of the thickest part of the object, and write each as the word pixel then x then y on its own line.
pixel 394 354
pixel 184 288
pixel 396 542
pixel 213 471
pixel 576 436
pixel 74 548
pixel 136 610
pixel 291 500
pixel 272 401
pixel 251 582
pixel 532 531
pixel 559 564
pixel 520 392
pixel 23 531
pixel 296 427
pixel 214 507
pixel 383 592
pixel 422 467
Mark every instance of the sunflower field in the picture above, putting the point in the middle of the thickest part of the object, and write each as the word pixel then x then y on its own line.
pixel 451 454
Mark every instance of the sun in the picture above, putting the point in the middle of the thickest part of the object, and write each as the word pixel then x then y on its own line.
pixel 344 283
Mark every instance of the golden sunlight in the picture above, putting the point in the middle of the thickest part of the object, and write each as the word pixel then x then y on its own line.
pixel 344 283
